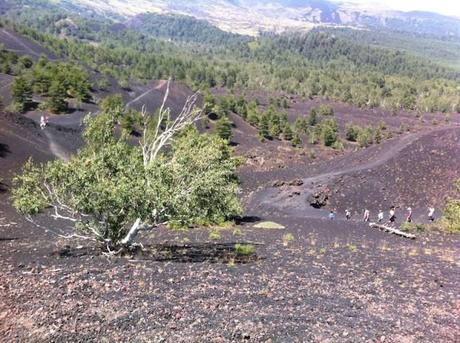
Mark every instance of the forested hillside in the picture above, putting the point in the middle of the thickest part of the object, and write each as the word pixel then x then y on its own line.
pixel 334 64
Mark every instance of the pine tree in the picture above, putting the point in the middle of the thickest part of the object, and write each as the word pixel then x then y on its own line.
pixel 224 128
pixel 312 117
pixel 296 141
pixel 57 94
pixel 287 132
pixel 22 93
pixel 264 128
pixel 301 125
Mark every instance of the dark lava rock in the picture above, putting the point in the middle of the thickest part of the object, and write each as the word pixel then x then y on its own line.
pixel 319 197
pixel 296 182
pixel 278 183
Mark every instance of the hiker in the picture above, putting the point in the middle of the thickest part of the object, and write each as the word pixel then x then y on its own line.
pixel 392 215
pixel 43 121
pixel 380 216
pixel 347 214
pixel 331 215
pixel 431 214
pixel 409 215
pixel 366 215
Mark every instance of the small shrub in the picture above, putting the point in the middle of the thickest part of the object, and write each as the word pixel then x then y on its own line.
pixel 287 238
pixel 287 133
pixel 224 128
pixel 326 110
pixel 351 133
pixel 238 232
pixel 245 249
pixel 338 145
pixel 312 117
pixel 378 136
pixel 352 247
pixel 215 235
pixel 296 141
pixel 365 137
pixel 412 227
pixel 450 220
pixel 301 125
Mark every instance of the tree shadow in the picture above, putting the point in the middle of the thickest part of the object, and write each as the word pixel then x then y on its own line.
pixel 3 188
pixel 180 253
pixel 192 253
pixel 9 239
pixel 4 150
pixel 247 220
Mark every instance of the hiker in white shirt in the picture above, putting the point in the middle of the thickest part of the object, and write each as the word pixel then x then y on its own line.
pixel 366 215
pixel 431 213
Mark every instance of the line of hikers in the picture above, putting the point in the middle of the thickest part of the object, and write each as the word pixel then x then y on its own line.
pixel 391 215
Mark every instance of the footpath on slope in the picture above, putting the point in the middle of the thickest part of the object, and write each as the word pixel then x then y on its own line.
pixel 293 200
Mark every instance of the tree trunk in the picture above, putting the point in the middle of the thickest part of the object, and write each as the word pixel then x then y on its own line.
pixel 392 230
pixel 132 233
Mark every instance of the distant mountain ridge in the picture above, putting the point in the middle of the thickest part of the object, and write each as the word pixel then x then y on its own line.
pixel 254 16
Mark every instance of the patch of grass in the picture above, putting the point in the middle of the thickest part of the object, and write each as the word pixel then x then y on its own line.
pixel 352 247
pixel 215 235
pixel 231 262
pixel 413 227
pixel 287 238
pixel 238 232
pixel 269 226
pixel 245 249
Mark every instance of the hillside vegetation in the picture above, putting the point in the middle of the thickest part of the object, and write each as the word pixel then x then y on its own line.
pixel 323 64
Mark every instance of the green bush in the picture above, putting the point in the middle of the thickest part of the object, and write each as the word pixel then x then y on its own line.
pixel 327 130
pixel 450 221
pixel 312 117
pixel 109 185
pixel 296 141
pixel 224 128
pixel 245 249
pixel 412 227
pixel 365 137
pixel 326 110
pixel 287 132
pixel 351 132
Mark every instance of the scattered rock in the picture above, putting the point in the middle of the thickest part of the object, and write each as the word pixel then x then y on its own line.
pixel 319 197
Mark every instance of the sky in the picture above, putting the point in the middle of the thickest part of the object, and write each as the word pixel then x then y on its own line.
pixel 446 7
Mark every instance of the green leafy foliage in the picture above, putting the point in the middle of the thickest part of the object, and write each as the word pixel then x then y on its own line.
pixel 107 186
pixel 351 132
pixel 296 140
pixel 224 128
pixel 365 137
pixel 312 117
pixel 326 110
pixel 245 249
pixel 21 93
pixel 450 220
pixel 308 64
pixel 327 130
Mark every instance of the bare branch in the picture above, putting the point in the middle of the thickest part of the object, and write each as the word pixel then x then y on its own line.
pixel 153 142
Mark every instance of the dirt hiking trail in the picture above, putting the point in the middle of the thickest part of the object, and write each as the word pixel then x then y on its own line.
pixel 292 200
